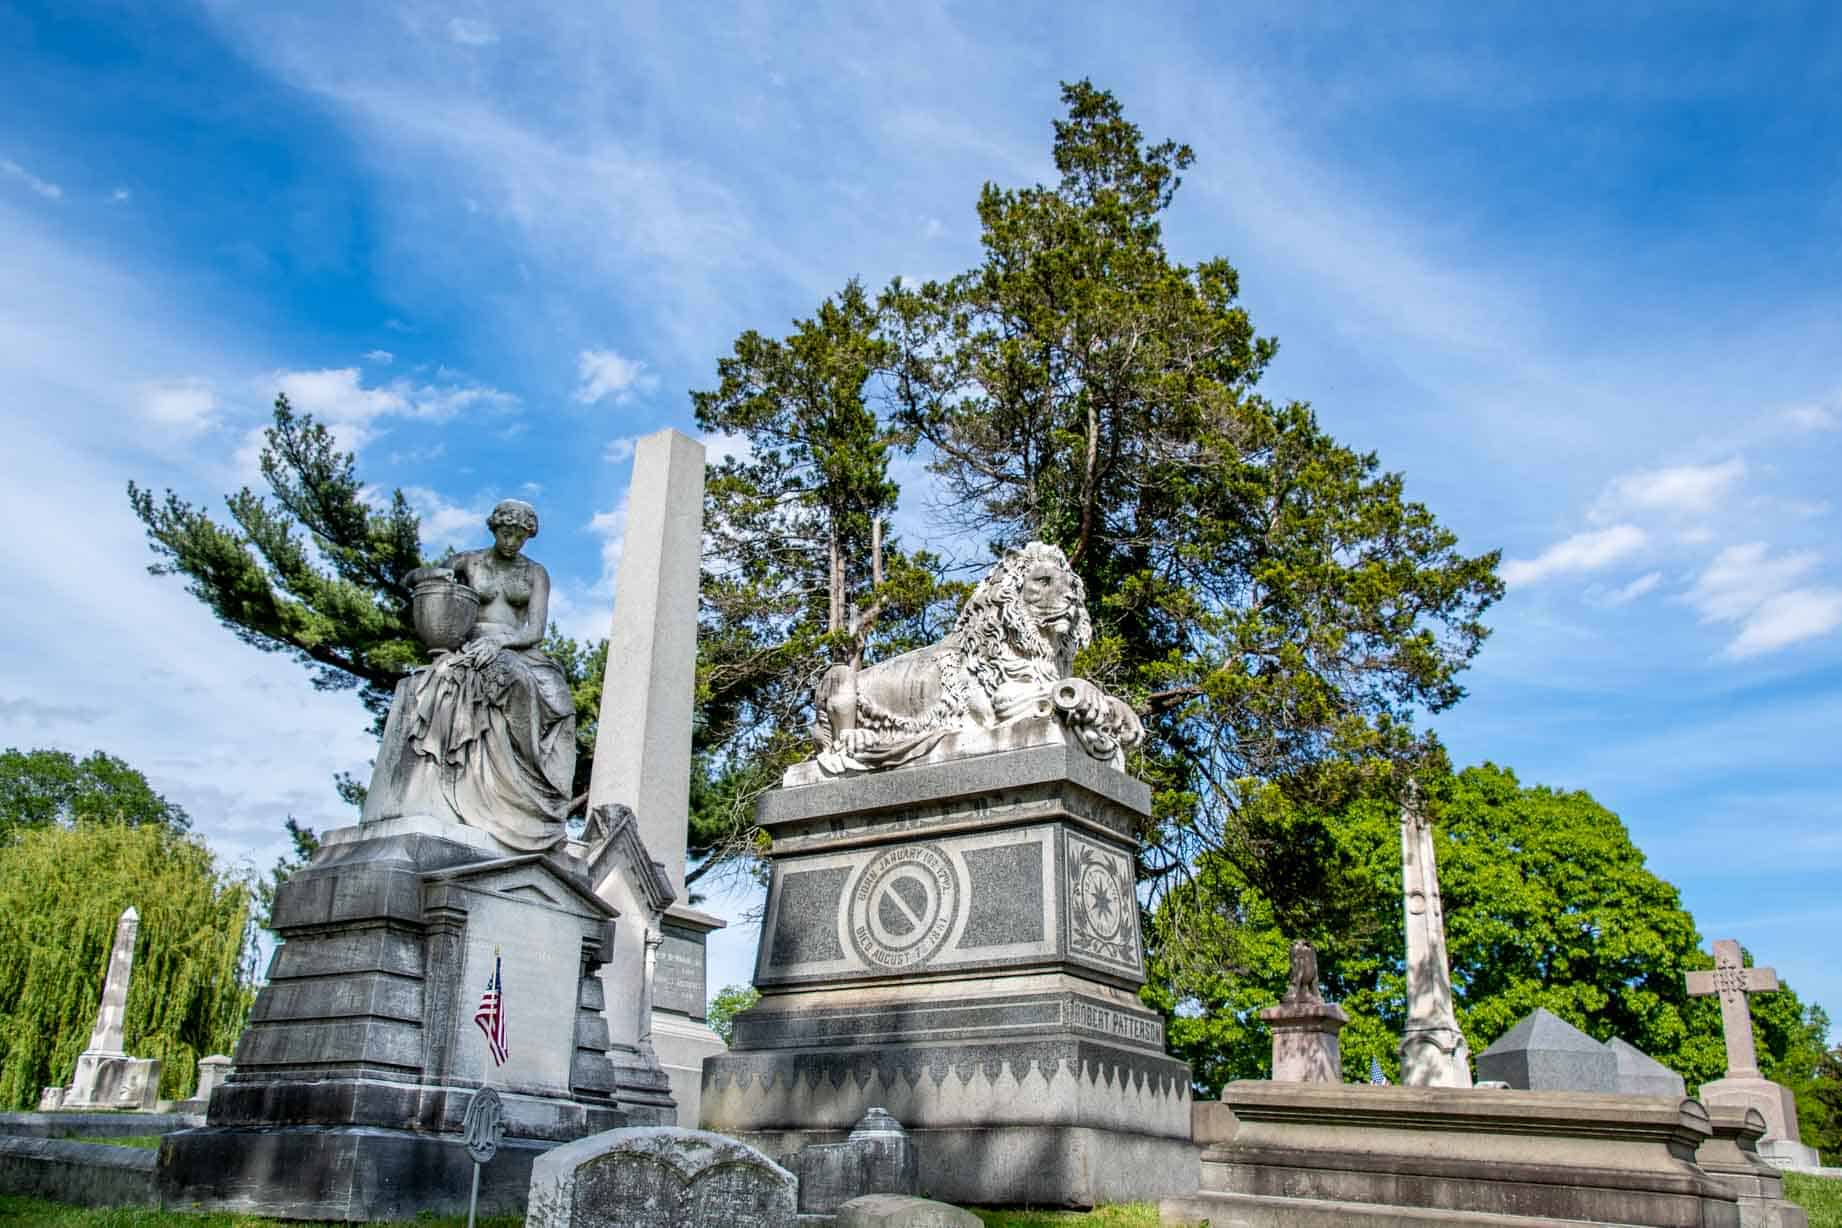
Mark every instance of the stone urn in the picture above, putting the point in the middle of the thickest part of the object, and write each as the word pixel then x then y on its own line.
pixel 443 610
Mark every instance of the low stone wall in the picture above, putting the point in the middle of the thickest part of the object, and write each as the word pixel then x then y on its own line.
pixel 85 1174
pixel 95 1125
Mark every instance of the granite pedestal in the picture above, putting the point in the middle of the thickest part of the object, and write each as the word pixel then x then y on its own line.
pixel 958 943
pixel 1320 1155
pixel 361 1055
pixel 1732 1155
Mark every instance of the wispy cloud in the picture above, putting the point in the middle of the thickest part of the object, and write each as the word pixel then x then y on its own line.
pixel 1812 418
pixel 186 406
pixel 604 374
pixel 1788 618
pixel 45 188
pixel 382 358
pixel 1679 490
pixel 1583 552
pixel 1640 587
pixel 619 449
pixel 1763 593
pixel 472 32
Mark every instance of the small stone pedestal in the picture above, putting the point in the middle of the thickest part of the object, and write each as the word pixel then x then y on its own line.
pixel 958 943
pixel 361 1055
pixel 1776 1104
pixel 1306 1047
pixel 1732 1155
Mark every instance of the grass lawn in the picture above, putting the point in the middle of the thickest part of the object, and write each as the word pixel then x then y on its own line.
pixel 150 1141
pixel 1820 1197
pixel 1127 1215
pixel 40 1214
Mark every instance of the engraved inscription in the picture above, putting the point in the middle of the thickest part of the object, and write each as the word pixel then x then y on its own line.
pixel 904 906
pixel 1109 1022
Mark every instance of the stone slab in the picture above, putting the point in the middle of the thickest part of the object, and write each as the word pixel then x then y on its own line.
pixel 1731 1155
pixel 1639 1074
pixel 902 1211
pixel 879 1157
pixel 1533 1157
pixel 659 1177
pixel 71 1124
pixel 82 1174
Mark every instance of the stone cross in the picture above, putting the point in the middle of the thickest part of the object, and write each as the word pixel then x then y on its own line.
pixel 643 736
pixel 107 1036
pixel 1733 981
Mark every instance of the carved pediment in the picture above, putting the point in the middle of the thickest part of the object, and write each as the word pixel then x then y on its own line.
pixel 615 847
pixel 533 878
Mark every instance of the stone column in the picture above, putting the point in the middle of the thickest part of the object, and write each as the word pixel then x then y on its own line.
pixel 1433 1051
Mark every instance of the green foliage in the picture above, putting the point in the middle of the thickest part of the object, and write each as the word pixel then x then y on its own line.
pixel 62 889
pixel 798 574
pixel 730 1001
pixel 42 787
pixel 1547 903
pixel 1268 597
pixel 1820 1197
pixel 1123 1215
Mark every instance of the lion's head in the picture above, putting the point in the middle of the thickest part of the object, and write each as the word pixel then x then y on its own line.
pixel 1031 606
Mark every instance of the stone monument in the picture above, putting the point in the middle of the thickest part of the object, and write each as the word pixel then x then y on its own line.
pixel 1639 1074
pixel 1543 1052
pixel 660 1177
pixel 448 943
pixel 1732 1155
pixel 1305 1027
pixel 106 1077
pixel 1433 1051
pixel 1743 1086
pixel 952 929
pixel 644 764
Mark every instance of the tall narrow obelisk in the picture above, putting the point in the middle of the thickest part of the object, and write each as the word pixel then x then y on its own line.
pixel 1433 1051
pixel 643 737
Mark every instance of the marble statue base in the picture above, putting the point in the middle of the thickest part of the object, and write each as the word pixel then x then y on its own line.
pixel 362 1052
pixel 957 943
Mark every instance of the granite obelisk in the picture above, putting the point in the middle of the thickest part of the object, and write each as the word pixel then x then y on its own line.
pixel 643 747
pixel 1433 1051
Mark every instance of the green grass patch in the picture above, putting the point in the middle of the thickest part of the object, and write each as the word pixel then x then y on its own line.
pixel 38 1213
pixel 1820 1197
pixel 149 1141
pixel 1125 1215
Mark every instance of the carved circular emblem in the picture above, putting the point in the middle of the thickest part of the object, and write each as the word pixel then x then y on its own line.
pixel 484 1125
pixel 1103 912
pixel 904 906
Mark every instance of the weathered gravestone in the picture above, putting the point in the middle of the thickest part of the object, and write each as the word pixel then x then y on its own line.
pixel 1744 1086
pixel 1545 1053
pixel 106 1077
pixel 659 1177
pixel 952 925
pixel 1433 1051
pixel 878 1158
pixel 902 1211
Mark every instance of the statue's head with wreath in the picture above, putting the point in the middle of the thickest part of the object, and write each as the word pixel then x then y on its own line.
pixel 1030 607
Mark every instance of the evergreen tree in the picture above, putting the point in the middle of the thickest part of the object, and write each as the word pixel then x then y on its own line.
pixel 62 889
pixel 1267 596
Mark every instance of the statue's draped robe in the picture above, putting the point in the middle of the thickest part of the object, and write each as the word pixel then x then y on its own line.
pixel 492 746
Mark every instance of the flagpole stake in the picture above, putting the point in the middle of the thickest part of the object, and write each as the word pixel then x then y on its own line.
pixel 473 1200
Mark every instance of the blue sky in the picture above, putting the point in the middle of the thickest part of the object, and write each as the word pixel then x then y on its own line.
pixel 1575 273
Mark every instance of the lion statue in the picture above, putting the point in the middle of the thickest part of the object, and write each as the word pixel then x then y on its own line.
pixel 1009 656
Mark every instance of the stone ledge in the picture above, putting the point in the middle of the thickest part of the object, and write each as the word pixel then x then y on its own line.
pixel 85 1174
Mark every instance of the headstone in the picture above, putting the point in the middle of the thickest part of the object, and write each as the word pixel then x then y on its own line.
pixel 647 694
pixel 1305 1027
pixel 1743 1086
pixel 902 1211
pixel 878 1158
pixel 212 1071
pixel 1433 1050
pixel 106 1077
pixel 1639 1074
pixel 50 1099
pixel 659 1177
pixel 952 927
pixel 1545 1053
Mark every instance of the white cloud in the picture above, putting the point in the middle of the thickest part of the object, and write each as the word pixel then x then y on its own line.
pixel 611 528
pixel 1643 585
pixel 121 196
pixel 1679 490
pixel 1741 578
pixel 382 358
pixel 1582 552
pixel 50 191
pixel 604 373
pixel 619 450
pixel 471 32
pixel 1812 418
pixel 447 525
pixel 186 405
pixel 1787 618
pixel 720 446
pixel 339 397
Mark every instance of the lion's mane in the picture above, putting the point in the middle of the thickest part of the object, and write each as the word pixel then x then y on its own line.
pixel 996 625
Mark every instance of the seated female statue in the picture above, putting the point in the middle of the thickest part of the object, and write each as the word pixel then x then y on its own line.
pixel 486 736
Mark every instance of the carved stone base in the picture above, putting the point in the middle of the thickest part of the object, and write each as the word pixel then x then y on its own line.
pixel 361 1055
pixel 114 1081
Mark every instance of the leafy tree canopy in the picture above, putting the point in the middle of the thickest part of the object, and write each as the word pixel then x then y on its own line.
pixel 730 1001
pixel 42 787
pixel 62 889
pixel 1547 902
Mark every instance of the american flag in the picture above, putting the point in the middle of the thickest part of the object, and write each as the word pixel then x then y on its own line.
pixel 1375 1073
pixel 491 1015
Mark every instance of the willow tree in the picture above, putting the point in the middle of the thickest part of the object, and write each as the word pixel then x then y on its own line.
pixel 62 889
pixel 1268 596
